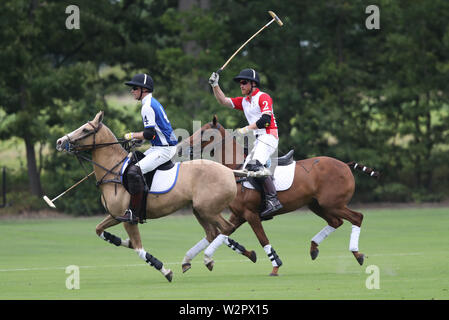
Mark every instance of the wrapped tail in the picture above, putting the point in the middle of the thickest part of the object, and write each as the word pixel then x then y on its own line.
pixel 370 171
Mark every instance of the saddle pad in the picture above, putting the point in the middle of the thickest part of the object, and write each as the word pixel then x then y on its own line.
pixel 165 180
pixel 283 177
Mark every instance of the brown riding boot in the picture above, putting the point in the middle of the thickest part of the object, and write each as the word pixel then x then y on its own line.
pixel 272 203
pixel 134 212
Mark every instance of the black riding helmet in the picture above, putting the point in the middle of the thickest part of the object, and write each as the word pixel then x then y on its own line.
pixel 141 80
pixel 248 74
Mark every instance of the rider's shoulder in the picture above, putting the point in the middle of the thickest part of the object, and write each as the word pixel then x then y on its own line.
pixel 264 96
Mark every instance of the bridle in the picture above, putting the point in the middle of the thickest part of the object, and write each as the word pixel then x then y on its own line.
pixel 74 148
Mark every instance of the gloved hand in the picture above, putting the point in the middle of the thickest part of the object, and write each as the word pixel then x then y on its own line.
pixel 129 136
pixel 243 130
pixel 213 80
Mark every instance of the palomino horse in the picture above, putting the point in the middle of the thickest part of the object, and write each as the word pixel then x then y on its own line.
pixel 208 186
pixel 324 184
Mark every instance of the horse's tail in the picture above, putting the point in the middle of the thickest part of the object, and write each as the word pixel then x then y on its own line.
pixel 370 171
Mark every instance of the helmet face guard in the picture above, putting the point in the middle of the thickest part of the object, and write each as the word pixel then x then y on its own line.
pixel 248 74
pixel 141 80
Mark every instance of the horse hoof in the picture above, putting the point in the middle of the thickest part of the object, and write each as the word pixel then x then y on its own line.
pixel 314 254
pixel 169 276
pixel 361 259
pixel 210 265
pixel 252 256
pixel 274 272
pixel 186 267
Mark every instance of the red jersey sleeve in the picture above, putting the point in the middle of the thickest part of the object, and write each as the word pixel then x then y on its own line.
pixel 266 104
pixel 237 102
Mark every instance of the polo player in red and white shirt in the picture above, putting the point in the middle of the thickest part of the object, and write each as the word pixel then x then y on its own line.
pixel 258 109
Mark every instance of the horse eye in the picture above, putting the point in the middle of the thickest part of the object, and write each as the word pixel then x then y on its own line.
pixel 86 130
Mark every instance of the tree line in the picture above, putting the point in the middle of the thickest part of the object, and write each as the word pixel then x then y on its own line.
pixel 340 89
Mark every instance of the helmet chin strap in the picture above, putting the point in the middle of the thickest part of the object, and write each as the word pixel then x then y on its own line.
pixel 141 92
pixel 252 88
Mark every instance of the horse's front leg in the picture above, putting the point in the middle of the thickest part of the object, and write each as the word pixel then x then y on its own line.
pixel 134 236
pixel 255 223
pixel 108 222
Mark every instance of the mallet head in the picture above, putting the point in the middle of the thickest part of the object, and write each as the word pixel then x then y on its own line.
pixel 49 202
pixel 276 18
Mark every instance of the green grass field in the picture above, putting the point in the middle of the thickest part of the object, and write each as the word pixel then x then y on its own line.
pixel 409 246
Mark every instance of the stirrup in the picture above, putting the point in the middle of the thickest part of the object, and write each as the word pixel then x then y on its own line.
pixel 128 217
pixel 267 214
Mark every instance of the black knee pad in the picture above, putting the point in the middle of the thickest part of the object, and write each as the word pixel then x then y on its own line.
pixel 135 179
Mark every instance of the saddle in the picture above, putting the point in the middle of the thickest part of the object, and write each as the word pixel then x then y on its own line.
pixel 285 160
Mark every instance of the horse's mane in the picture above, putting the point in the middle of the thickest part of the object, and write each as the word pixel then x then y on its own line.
pixel 108 132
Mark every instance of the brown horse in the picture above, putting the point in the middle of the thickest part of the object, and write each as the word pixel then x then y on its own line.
pixel 324 184
pixel 206 185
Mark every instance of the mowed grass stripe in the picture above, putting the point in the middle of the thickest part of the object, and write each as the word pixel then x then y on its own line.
pixel 409 246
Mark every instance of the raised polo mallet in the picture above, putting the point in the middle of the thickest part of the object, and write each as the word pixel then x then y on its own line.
pixel 275 18
pixel 50 202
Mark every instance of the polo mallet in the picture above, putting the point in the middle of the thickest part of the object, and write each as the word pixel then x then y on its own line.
pixel 50 202
pixel 275 18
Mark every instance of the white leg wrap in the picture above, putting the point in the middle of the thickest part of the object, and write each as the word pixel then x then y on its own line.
pixel 125 243
pixel 354 242
pixel 164 271
pixel 141 253
pixel 275 261
pixel 267 248
pixel 218 241
pixel 323 234
pixel 193 252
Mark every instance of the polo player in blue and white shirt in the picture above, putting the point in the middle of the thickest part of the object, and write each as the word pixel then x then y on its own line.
pixel 157 130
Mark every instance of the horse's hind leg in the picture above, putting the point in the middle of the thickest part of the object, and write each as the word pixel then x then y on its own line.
pixel 332 221
pixel 134 235
pixel 108 222
pixel 333 217
pixel 211 233
pixel 225 228
pixel 356 219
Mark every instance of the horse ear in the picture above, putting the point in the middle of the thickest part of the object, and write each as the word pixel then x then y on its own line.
pixel 99 117
pixel 215 120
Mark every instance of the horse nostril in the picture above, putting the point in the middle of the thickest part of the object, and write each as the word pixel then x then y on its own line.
pixel 59 144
